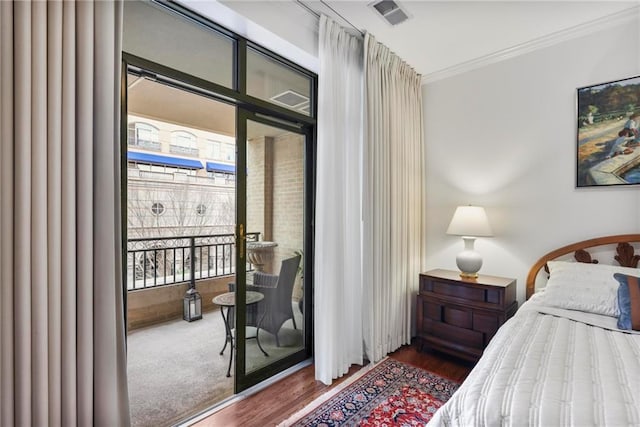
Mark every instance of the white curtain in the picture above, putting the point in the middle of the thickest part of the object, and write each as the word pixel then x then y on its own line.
pixel 338 251
pixel 62 360
pixel 392 198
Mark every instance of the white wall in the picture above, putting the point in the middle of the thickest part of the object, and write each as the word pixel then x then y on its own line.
pixel 504 137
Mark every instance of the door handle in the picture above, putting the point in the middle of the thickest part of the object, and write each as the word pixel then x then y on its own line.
pixel 242 240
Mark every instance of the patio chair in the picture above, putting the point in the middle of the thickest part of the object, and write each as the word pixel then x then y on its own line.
pixel 277 303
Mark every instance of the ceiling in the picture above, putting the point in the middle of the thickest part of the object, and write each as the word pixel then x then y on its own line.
pixel 148 98
pixel 440 36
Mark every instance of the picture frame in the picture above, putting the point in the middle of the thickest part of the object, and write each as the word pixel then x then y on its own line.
pixel 608 134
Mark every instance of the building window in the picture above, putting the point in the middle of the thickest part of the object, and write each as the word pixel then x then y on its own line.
pixel 201 209
pixel 184 143
pixel 146 136
pixel 214 149
pixel 229 152
pixel 157 209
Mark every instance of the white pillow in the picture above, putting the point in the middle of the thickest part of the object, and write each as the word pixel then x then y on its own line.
pixel 584 287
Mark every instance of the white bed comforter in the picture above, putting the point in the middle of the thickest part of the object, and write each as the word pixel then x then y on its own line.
pixel 542 369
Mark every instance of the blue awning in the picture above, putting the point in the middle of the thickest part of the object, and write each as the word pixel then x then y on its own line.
pixel 220 167
pixel 155 159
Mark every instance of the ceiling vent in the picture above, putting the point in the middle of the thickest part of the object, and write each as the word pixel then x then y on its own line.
pixel 390 11
pixel 290 99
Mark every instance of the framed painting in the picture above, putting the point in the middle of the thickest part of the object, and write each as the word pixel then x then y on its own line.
pixel 608 135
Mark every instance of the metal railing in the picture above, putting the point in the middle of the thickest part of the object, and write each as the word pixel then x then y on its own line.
pixel 160 261
pixel 179 149
pixel 138 174
pixel 144 143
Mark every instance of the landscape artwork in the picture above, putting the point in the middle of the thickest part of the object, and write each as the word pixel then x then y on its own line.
pixel 608 134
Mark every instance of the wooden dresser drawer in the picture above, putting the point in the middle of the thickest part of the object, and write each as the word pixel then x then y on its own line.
pixel 462 318
pixel 456 290
pixel 465 337
pixel 485 322
pixel 432 310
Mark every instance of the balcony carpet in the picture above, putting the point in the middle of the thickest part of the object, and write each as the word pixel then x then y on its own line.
pixel 175 368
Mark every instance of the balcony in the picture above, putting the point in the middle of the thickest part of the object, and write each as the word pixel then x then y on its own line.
pixel 185 151
pixel 175 368
pixel 168 357
pixel 177 177
pixel 146 144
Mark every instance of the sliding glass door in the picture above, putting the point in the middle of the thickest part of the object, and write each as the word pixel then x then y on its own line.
pixel 276 196
pixel 218 137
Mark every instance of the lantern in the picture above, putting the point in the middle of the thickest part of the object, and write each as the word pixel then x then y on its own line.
pixel 192 309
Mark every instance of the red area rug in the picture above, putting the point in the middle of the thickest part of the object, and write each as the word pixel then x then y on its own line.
pixel 390 394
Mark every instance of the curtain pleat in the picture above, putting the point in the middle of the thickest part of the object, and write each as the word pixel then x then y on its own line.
pixel 62 360
pixel 338 250
pixel 54 210
pixel 392 198
pixel 84 208
pixel 22 208
pixel 69 178
pixel 109 368
pixel 38 261
pixel 7 360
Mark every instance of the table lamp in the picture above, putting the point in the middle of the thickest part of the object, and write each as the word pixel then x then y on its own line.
pixel 469 222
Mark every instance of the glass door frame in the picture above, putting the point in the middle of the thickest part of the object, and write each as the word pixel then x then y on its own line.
pixel 245 380
pixel 247 108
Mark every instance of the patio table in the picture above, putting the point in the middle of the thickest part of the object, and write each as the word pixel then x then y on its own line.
pixel 228 300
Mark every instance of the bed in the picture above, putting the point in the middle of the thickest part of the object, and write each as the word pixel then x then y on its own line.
pixel 562 359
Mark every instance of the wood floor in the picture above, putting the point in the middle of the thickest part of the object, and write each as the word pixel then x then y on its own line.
pixel 284 398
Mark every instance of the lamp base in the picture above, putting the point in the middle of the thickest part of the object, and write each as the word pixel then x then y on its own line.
pixel 469 261
pixel 468 275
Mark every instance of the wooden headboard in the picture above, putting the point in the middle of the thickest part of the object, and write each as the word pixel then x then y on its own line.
pixel 625 255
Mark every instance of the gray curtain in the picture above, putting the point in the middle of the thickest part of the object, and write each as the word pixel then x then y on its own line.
pixel 62 360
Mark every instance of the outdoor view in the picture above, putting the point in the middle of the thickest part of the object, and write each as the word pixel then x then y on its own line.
pixel 171 199
pixel 275 207
pixel 181 207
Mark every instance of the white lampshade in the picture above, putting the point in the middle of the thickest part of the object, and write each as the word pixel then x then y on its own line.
pixel 470 221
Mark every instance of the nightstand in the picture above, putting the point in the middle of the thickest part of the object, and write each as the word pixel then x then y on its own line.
pixel 460 315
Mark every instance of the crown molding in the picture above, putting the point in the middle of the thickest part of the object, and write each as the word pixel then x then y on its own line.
pixel 618 18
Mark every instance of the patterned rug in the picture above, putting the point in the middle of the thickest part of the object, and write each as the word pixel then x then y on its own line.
pixel 390 394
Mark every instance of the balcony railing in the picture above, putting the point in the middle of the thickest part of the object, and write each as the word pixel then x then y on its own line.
pixel 153 262
pixel 133 173
pixel 143 143
pixel 188 151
